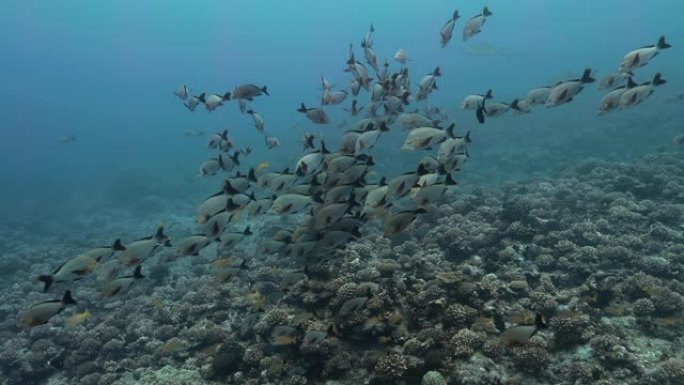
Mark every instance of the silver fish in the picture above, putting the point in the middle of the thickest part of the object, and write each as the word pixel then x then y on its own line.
pixel 316 115
pixel 474 25
pixel 447 30
pixel 641 56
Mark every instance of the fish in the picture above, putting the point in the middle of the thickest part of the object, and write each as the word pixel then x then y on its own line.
pixel 310 163
pixel 410 120
pixel 120 285
pixel 212 101
pixel 611 100
pixel 400 221
pixel 292 203
pixel 447 30
pixel 215 225
pixel 355 86
pixel 312 339
pixel 325 84
pixel 481 111
pixel 471 102
pixel 182 92
pixel 249 92
pixel 401 56
pixel 192 245
pixel 315 115
pixel 259 123
pixel 71 138
pixel 144 248
pixel 212 206
pixel 474 25
pixel 239 183
pixel 520 106
pixel 366 140
pixel 283 336
pixel 233 238
pixel 428 83
pixel 612 80
pixel 641 56
pixel 423 138
pixel 42 312
pixel 636 94
pixel 333 239
pixel 262 166
pixel 371 56
pixel 485 49
pixel 216 139
pixel 192 102
pixel 354 109
pixel 174 345
pixel 498 109
pixel 431 194
pixel 352 306
pixel 271 142
pixel 328 214
pixel 78 318
pixel 538 96
pixel 401 185
pixel 333 97
pixel 210 167
pixel 71 270
pixel 451 146
pixel 564 91
pixel 228 162
pixel 519 334
pixel 368 38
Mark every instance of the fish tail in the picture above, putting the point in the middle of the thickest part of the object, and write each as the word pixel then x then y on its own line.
pixel 48 280
pixel 486 12
pixel 662 44
pixel 586 76
pixel 67 299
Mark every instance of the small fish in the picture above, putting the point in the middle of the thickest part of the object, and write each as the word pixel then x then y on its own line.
pixel 612 80
pixel 367 140
pixel 423 138
pixel 401 220
pixel 471 102
pixel 216 139
pixel 401 56
pixel 283 336
pixel 121 285
pixel 259 123
pixel 192 245
pixel 451 146
pixel 182 92
pixel 144 248
pixel 538 96
pixel 636 94
pixel 474 25
pixel 310 163
pixel 215 225
pixel 565 91
pixel 78 318
pixel 228 162
pixel 271 142
pixel 174 345
pixel 410 120
pixel 212 206
pixel 401 185
pixel 611 100
pixel 233 238
pixel 498 109
pixel 73 269
pixel 212 101
pixel 431 194
pixel 67 139
pixel 354 110
pixel 41 313
pixel 641 56
pixel 519 334
pixel 249 92
pixel 447 30
pixel 210 167
pixel 355 86
pixel 352 306
pixel 678 140
pixel 262 166
pixel 481 111
pixel 371 56
pixel 192 102
pixel 334 97
pixel 325 84
pixel 292 203
pixel 368 38
pixel 316 115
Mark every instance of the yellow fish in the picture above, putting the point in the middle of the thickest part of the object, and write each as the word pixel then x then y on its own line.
pixel 262 166
pixel 222 262
pixel 78 318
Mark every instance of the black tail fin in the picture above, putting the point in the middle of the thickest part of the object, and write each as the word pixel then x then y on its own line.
pixel 201 97
pixel 247 231
pixel 437 71
pixel 449 181
pixel 658 80
pixel 137 274
pixel 250 111
pixel 226 96
pixel 383 126
pixel 370 161
pixel 302 108
pixel 466 137
pixel 67 299
pixel 586 76
pixel 323 149
pixel 514 105
pixel 455 16
pixel 539 321
pixel 265 91
pixel 235 159
pixel 486 12
pixel 47 280
pixel 159 236
pixel 450 130
pixel 317 197
pixel 662 44
pixel 422 170
pixel 631 83
pixel 489 94
pixel 118 246
pixel 383 181
pixel 251 176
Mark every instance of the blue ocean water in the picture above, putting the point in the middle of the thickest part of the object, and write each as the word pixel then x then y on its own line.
pixel 105 72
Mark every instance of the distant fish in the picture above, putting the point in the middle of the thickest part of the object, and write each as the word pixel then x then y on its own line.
pixel 233 238
pixel 354 109
pixel 78 318
pixel 564 91
pixel 401 56
pixel 498 109
pixel 471 102
pixel 520 334
pixel 210 167
pixel 611 100
pixel 400 221
pixel 368 38
pixel 612 80
pixel 485 49
pixel 538 96
pixel 121 285
pixel 216 139
pixel 192 245
pixel 192 102
pixel 641 56
pixel 333 97
pixel 139 250
pixel 316 115
pixel 636 94
pixel 423 138
pixel 447 30
pixel 212 101
pixel 182 92
pixel 249 92
pixel 41 313
pixel 293 203
pixel 71 138
pixel 259 123
pixel 474 25
pixel 271 142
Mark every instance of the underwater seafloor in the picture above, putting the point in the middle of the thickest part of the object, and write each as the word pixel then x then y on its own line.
pixel 599 249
